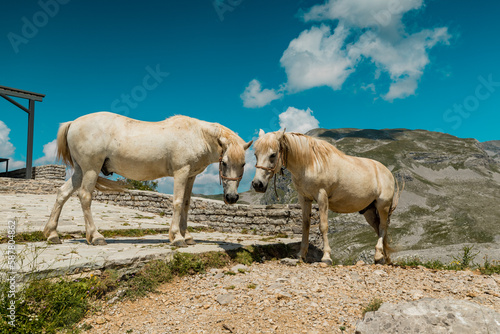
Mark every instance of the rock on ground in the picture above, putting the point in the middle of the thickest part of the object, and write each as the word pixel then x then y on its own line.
pixel 430 315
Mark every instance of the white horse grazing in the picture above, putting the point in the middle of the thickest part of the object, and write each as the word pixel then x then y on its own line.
pixel 336 181
pixel 179 146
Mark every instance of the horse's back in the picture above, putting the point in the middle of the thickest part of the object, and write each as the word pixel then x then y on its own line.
pixel 154 148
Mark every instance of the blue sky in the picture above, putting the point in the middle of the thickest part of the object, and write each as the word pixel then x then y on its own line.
pixel 251 64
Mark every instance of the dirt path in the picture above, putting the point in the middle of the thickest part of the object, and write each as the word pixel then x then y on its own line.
pixel 278 298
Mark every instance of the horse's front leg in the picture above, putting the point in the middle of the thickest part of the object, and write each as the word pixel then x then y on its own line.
pixel 180 179
pixel 184 213
pixel 305 204
pixel 323 225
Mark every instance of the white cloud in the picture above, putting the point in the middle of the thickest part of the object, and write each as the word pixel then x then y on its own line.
pixel 363 13
pixel 297 120
pixel 318 58
pixel 49 154
pixel 256 97
pixel 6 147
pixel 403 60
pixel 369 87
pixel 369 31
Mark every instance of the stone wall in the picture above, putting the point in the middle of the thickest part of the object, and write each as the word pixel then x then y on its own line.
pixel 47 180
pixel 46 172
pixel 23 186
pixel 238 218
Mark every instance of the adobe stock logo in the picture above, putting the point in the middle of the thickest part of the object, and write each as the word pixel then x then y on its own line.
pixel 30 28
pixel 222 6
pixel 139 93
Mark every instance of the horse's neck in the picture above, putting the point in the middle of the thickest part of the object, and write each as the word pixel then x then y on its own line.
pixel 212 135
pixel 291 160
pixel 292 163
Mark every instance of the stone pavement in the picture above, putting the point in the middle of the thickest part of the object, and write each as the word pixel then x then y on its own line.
pixel 74 255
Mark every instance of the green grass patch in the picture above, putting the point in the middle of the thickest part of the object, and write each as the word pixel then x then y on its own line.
pixel 137 216
pixel 30 237
pixel 46 306
pixel 37 236
pixel 373 306
pixel 463 261
pixel 133 232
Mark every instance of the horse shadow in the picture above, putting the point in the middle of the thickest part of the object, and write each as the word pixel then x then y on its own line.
pixel 163 241
pixel 277 251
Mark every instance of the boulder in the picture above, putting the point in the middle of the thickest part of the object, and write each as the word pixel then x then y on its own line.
pixel 429 315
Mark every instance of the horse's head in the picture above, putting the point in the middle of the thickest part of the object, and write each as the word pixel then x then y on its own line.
pixel 231 167
pixel 269 155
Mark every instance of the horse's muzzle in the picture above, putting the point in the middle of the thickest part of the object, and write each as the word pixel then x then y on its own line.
pixel 231 198
pixel 259 186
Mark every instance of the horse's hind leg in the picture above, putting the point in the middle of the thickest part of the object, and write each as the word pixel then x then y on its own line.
pixel 69 187
pixel 323 225
pixel 382 249
pixel 184 213
pixel 305 204
pixel 85 194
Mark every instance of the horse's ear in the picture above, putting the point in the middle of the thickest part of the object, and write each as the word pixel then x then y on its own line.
pixel 247 145
pixel 281 133
pixel 261 133
pixel 223 142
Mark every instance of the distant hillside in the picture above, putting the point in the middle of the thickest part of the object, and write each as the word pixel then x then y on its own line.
pixel 493 149
pixel 451 196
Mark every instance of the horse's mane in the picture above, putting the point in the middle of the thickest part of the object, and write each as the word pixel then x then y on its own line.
pixel 307 151
pixel 234 151
pixel 211 132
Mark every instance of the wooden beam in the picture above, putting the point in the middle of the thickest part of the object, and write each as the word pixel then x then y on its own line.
pixel 14 92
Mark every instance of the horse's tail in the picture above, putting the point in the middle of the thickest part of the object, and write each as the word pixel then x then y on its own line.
pixel 63 152
pixel 107 185
pixel 397 195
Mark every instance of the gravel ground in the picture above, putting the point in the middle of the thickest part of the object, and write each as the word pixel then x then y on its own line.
pixel 273 297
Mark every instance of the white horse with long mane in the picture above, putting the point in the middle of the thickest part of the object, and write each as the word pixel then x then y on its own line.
pixel 179 146
pixel 336 181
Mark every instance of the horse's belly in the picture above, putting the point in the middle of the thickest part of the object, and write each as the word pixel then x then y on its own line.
pixel 349 205
pixel 139 170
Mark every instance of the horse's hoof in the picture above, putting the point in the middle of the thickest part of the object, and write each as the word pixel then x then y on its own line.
pixel 190 242
pixel 99 242
pixel 54 240
pixel 179 243
pixel 380 261
pixel 327 261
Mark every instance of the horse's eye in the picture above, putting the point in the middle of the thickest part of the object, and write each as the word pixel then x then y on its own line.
pixel 224 164
pixel 273 156
pixel 243 166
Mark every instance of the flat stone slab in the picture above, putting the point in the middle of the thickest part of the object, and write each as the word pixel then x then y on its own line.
pixel 33 211
pixel 126 253
pixel 75 255
pixel 430 315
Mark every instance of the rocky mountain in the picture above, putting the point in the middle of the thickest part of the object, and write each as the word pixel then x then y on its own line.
pixel 451 196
